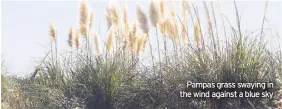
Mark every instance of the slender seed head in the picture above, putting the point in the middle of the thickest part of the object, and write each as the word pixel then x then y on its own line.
pixel 172 13
pixel 109 43
pixel 184 25
pixel 162 9
pixel 197 33
pixel 70 37
pixel 91 20
pixel 109 19
pixel 76 40
pixel 208 17
pixel 96 43
pixel 125 16
pixel 115 15
pixel 145 38
pixel 139 44
pixel 52 31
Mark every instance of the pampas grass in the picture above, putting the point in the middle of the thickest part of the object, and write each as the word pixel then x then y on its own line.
pixel 52 31
pixel 108 78
pixel 96 43
pixel 109 19
pixel 113 13
pixel 162 10
pixel 172 13
pixel 154 13
pixel 142 19
pixel 70 37
pixel 208 16
pixel 132 36
pixel 76 39
pixel 84 16
pixel 91 20
pixel 197 33
pixel 169 28
pixel 125 17
pixel 184 32
pixel 110 40
pixel 139 41
pixel 145 38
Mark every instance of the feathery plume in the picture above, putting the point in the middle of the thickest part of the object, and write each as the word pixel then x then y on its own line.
pixel 154 13
pixel 134 29
pixel 132 36
pixel 197 33
pixel 125 25
pixel 96 43
pixel 162 26
pixel 162 9
pixel 142 20
pixel 125 16
pixel 172 14
pixel 175 33
pixel 145 38
pixel 84 15
pixel 76 40
pixel 109 43
pixel 208 17
pixel 139 44
pixel 91 20
pixel 70 37
pixel 184 22
pixel 52 31
pixel 168 28
pixel 109 19
pixel 114 12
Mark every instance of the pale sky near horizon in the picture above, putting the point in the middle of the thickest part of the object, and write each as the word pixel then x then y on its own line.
pixel 25 25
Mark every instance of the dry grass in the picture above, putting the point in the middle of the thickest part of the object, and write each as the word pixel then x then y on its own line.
pixel 76 39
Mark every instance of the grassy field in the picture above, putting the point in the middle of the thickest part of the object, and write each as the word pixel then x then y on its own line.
pixel 108 74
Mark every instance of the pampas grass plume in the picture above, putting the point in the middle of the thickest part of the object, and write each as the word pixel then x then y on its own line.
pixel 91 20
pixel 125 16
pixel 70 37
pixel 197 33
pixel 110 39
pixel 139 44
pixel 145 38
pixel 108 17
pixel 76 40
pixel 96 43
pixel 184 22
pixel 142 19
pixel 132 36
pixel 84 15
pixel 154 13
pixel 162 9
pixel 115 15
pixel 52 31
pixel 208 16
pixel 172 14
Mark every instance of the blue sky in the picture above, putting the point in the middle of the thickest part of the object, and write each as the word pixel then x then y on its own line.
pixel 25 25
